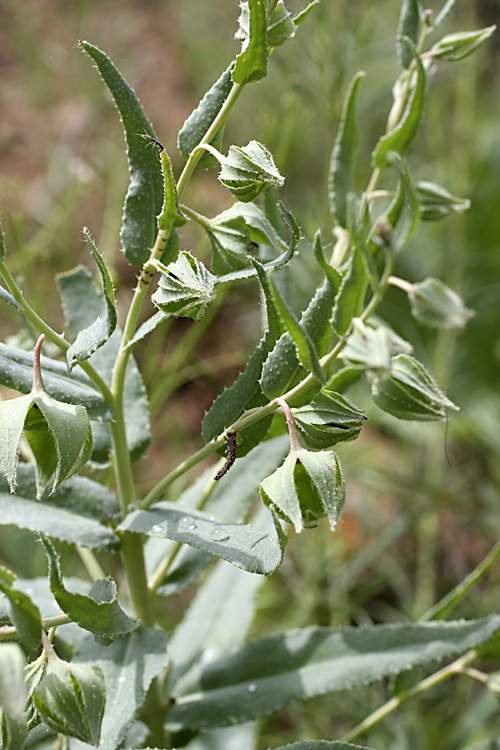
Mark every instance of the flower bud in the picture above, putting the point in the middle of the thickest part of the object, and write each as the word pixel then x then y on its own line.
pixel 436 305
pixel 186 288
pixel 249 170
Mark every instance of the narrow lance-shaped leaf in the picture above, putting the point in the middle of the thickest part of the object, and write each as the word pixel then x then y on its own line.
pixel 404 215
pixel 270 674
pixel 282 369
pixel 171 214
pixel 145 194
pixel 443 13
pixel 302 15
pixel 91 338
pixel 351 295
pixel 400 137
pixel 99 612
pixel 306 351
pixel 24 614
pixel 410 23
pixel 201 119
pixel 340 178
pixel 251 63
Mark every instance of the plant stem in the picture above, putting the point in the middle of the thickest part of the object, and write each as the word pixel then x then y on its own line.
pixel 60 341
pixel 91 564
pixel 7 633
pixel 394 703
pixel 197 152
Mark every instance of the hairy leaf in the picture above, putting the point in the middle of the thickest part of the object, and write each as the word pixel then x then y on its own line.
pixel 24 614
pixel 410 24
pixel 171 214
pixel 26 512
pixel 400 137
pixel 270 674
pixel 98 612
pixel 75 286
pixel 16 371
pixel 13 695
pixel 91 338
pixel 145 194
pixel 129 665
pixel 340 177
pixel 201 119
pixel 242 546
pixel 251 63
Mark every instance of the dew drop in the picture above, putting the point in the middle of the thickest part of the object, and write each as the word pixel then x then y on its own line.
pixel 30 591
pixel 252 688
pixel 156 529
pixel 207 655
pixel 219 535
pixel 192 526
pixel 121 679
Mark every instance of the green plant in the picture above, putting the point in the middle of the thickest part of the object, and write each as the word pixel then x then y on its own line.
pixel 123 683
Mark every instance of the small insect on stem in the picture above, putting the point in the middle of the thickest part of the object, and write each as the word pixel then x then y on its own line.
pixel 152 141
pixel 232 450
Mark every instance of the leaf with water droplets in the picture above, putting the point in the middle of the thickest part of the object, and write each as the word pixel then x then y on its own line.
pixel 243 546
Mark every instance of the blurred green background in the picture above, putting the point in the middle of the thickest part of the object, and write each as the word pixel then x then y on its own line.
pixel 415 523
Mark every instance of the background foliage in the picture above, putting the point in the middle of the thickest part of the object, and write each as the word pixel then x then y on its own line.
pixel 414 524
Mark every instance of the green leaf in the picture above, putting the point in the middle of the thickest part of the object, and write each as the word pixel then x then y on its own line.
pixel 171 214
pixel 249 170
pixel 147 327
pixel 306 351
pixel 307 487
pixel 341 175
pixel 129 665
pixel 202 118
pixel 145 194
pixel 69 428
pixel 281 27
pixel 240 545
pixel 302 15
pixel 437 203
pixel 228 738
pixel 436 305
pixel 230 502
pixel 410 392
pixel 233 232
pixel 24 614
pixel 282 369
pixel 406 223
pixel 445 11
pixel 58 519
pixel 8 298
pixel 351 295
pixel 2 242
pixel 454 47
pixel 270 674
pixel 81 302
pixel 13 696
pixel 186 287
pixel 16 371
pixel 12 418
pixel 330 419
pixel 217 621
pixel 70 698
pixel 251 63
pixel 99 612
pixel 274 322
pixel 400 137
pixel 368 348
pixel 91 338
pixel 410 24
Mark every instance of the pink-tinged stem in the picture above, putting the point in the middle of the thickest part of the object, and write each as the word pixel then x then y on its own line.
pixel 294 440
pixel 37 370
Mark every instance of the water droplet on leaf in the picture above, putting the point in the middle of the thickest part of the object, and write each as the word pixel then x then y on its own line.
pixel 219 535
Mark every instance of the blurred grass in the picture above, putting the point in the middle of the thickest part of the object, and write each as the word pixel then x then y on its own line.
pixel 413 525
